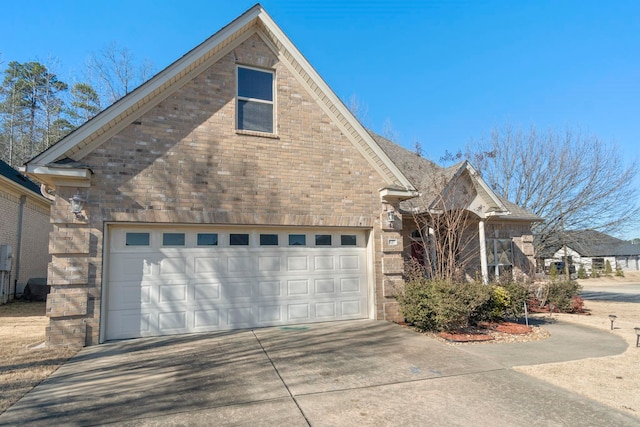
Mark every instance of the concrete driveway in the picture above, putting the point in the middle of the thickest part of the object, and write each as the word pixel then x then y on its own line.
pixel 333 374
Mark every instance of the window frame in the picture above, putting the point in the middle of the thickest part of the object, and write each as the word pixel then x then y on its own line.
pixel 271 102
pixel 171 234
pixel 493 253
pixel 134 235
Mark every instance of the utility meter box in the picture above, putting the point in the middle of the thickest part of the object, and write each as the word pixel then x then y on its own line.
pixel 5 257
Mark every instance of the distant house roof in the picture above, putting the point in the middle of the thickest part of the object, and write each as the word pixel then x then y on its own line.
pixel 15 176
pixel 430 179
pixel 590 243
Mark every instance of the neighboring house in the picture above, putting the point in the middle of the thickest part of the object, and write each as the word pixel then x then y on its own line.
pixel 232 190
pixel 24 227
pixel 591 249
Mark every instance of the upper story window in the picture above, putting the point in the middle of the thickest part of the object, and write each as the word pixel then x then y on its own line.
pixel 255 100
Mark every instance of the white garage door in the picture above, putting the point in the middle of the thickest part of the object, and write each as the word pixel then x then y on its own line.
pixel 183 280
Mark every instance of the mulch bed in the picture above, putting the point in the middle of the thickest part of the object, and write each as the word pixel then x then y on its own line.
pixel 483 332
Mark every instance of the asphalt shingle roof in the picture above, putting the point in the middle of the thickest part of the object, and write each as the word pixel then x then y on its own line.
pixel 591 243
pixel 15 176
pixel 429 178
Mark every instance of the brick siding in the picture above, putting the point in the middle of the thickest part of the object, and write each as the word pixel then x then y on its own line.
pixel 34 255
pixel 184 162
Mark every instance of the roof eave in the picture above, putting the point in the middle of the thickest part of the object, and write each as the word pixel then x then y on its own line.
pixel 59 176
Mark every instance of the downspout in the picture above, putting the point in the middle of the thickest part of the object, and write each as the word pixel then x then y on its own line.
pixel 23 201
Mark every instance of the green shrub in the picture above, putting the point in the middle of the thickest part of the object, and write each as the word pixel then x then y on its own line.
pixel 500 300
pixel 594 273
pixel 439 305
pixel 582 273
pixel 619 272
pixel 506 301
pixel 519 293
pixel 561 292
pixel 553 271
pixel 607 268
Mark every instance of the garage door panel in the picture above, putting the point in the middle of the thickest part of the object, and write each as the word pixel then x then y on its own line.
pixel 206 318
pixel 129 324
pixel 298 287
pixel 240 265
pixel 297 263
pixel 351 308
pixel 269 313
pixel 271 288
pixel 324 263
pixel 170 322
pixel 172 293
pixel 129 295
pixel 157 290
pixel 173 266
pixel 269 264
pixel 240 316
pixel 298 312
pixel 350 285
pixel 131 267
pixel 326 310
pixel 349 262
pixel 207 265
pixel 237 290
pixel 206 291
pixel 325 286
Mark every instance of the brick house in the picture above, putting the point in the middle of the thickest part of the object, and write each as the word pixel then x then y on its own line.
pixel 25 227
pixel 232 190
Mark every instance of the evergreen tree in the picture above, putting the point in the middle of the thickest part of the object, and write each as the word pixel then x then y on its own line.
pixel 31 107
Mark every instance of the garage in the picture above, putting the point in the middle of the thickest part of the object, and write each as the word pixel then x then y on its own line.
pixel 177 280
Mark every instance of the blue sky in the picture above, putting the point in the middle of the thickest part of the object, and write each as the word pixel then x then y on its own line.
pixel 440 72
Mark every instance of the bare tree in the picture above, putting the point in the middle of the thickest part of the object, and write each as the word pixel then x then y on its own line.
pixel 388 131
pixel 359 109
pixel 113 71
pixel 446 236
pixel 574 181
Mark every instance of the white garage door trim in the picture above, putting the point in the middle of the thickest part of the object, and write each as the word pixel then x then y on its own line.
pixel 180 279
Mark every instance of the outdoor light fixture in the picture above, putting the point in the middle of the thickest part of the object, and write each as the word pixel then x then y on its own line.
pixel 637 329
pixel 391 217
pixel 76 203
pixel 613 318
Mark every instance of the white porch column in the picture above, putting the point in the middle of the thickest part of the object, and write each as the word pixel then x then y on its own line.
pixel 483 253
pixel 432 248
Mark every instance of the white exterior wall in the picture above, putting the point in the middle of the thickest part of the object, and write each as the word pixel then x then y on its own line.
pixel 633 263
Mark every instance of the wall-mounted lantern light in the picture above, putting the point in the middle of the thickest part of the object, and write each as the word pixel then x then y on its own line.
pixel 76 203
pixel 391 217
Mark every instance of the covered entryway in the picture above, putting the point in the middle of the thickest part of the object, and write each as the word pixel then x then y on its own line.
pixel 176 280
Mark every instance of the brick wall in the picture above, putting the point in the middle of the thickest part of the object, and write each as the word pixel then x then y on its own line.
pixel 35 229
pixel 183 162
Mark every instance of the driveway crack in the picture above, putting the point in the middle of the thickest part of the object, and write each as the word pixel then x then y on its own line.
pixel 281 379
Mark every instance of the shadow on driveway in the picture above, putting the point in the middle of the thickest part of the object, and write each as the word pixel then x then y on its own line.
pixel 341 373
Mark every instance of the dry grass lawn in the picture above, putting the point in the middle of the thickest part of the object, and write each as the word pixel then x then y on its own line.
pixel 615 380
pixel 23 363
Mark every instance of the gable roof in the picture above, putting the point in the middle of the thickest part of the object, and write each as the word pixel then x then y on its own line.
pixel 591 243
pixel 13 175
pixel 93 133
pixel 430 180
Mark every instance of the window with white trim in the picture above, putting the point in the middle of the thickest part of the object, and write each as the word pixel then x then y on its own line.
pixel 255 100
pixel 499 257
